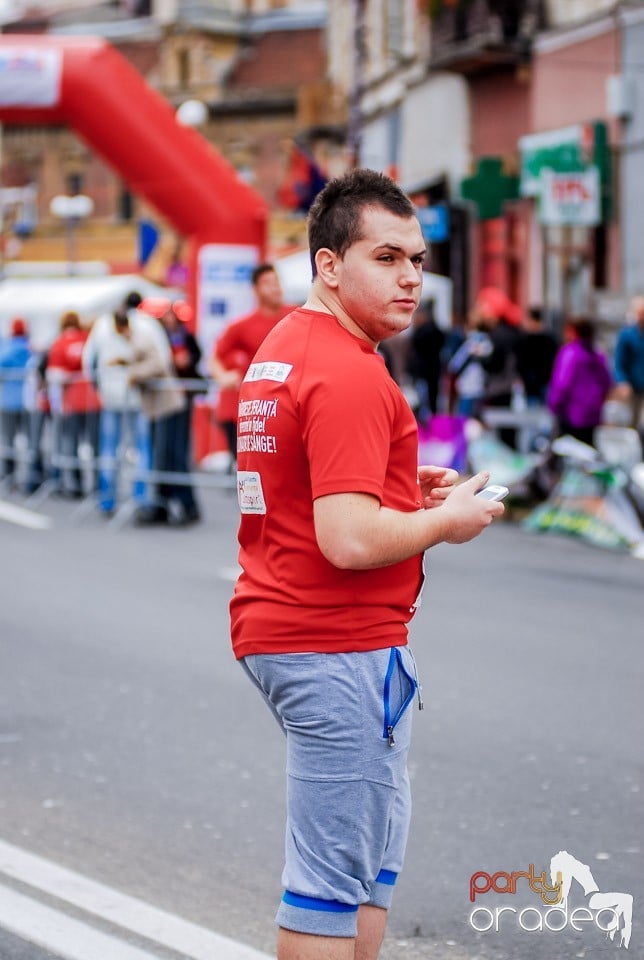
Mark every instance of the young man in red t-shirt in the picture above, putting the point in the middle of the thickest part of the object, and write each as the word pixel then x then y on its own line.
pixel 238 345
pixel 335 517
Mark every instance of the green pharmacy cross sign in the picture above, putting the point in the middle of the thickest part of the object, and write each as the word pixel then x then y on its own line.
pixel 490 187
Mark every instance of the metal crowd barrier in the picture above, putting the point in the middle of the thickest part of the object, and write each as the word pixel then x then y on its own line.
pixel 530 423
pixel 46 445
pixel 48 450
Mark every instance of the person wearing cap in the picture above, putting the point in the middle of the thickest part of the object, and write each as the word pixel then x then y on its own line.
pixel 238 344
pixel 15 355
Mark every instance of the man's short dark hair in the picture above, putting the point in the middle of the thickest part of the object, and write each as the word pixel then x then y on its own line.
pixel 335 217
pixel 260 270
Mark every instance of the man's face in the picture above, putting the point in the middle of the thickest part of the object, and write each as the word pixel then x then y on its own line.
pixel 268 291
pixel 380 276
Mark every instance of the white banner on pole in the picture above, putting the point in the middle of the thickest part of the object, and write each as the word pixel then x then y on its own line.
pixel 30 77
pixel 224 288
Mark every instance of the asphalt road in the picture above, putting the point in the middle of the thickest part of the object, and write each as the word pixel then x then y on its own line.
pixel 134 751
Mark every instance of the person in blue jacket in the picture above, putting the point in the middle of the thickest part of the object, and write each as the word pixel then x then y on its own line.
pixel 629 364
pixel 15 354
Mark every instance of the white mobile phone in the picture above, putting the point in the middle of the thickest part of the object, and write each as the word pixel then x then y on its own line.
pixel 493 491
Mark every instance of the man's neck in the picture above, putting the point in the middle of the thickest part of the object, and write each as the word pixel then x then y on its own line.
pixel 317 300
pixel 324 300
pixel 271 310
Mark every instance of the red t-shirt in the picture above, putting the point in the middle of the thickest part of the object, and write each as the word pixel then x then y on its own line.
pixel 319 414
pixel 65 354
pixel 236 348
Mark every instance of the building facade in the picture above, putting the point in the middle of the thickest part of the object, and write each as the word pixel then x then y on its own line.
pixel 517 126
pixel 627 106
pixel 257 67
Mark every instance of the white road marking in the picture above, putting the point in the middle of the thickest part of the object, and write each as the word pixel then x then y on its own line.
pixel 62 935
pixel 128 913
pixel 23 517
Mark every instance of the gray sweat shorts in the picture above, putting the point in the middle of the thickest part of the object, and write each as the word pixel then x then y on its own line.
pixel 347 722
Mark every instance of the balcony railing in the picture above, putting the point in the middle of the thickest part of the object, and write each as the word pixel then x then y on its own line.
pixel 468 34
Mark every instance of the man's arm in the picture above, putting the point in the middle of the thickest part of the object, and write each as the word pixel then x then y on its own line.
pixel 354 532
pixel 149 364
pixel 89 354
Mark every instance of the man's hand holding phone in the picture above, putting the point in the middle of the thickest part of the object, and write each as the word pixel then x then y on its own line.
pixel 468 513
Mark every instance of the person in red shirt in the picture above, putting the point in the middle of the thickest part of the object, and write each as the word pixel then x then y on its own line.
pixel 238 344
pixel 77 403
pixel 335 517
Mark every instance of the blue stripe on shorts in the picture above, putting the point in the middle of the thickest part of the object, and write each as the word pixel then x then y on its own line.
pixel 313 903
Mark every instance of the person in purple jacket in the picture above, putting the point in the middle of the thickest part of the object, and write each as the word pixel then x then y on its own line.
pixel 580 383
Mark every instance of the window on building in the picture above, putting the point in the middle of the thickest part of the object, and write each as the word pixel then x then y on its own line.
pixel 183 68
pixel 126 205
pixel 74 183
pixel 394 13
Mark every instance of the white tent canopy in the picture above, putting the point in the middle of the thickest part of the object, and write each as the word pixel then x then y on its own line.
pixel 41 301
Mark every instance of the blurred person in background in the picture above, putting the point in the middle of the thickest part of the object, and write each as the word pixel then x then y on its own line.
pixel 108 352
pixel 629 365
pixel 79 404
pixel 466 366
pixel 238 345
pixel 425 357
pixel 536 350
pixel 396 352
pixel 15 355
pixel 454 338
pixel 39 416
pixel 495 313
pixel 581 381
pixel 141 320
pixel 186 352
pixel 172 432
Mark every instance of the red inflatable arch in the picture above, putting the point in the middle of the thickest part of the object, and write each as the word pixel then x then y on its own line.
pixel 86 84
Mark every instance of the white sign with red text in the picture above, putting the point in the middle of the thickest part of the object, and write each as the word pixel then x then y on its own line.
pixel 570 199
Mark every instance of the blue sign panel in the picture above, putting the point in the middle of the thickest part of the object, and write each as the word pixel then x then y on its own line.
pixel 434 222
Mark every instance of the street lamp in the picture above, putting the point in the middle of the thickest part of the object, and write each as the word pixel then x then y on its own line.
pixel 72 210
pixel 192 113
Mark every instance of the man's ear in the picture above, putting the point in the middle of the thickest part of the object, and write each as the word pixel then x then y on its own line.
pixel 326 262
